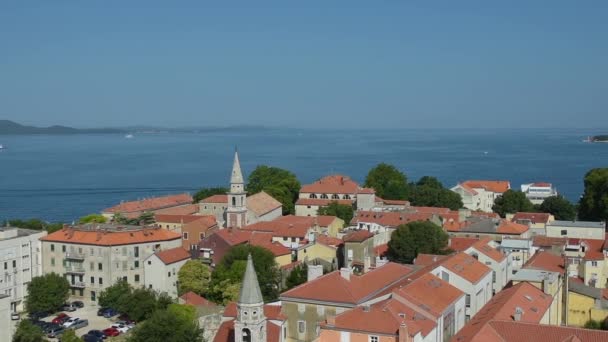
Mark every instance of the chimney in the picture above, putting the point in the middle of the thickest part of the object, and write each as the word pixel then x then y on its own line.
pixel 331 320
pixel 345 273
pixel 518 313
pixel 404 335
pixel 314 272
pixel 366 308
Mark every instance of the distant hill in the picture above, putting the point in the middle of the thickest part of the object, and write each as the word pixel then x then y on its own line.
pixel 11 127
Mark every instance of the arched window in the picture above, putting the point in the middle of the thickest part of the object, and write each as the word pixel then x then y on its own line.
pixel 347 196
pixel 246 335
pixel 335 196
pixel 312 196
pixel 324 196
pixel 234 201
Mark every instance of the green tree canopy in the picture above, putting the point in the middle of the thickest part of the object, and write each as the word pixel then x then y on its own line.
pixel 28 332
pixel 297 276
pixel 231 270
pixel 138 303
pixel 416 237
pixel 70 336
pixel 47 293
pixel 208 192
pixel 143 219
pixel 166 326
pixel 559 207
pixel 194 276
pixel 343 211
pixel 388 181
pixel 34 224
pixel 429 192
pixel 593 205
pixel 511 202
pixel 92 218
pixel 279 183
pixel 115 295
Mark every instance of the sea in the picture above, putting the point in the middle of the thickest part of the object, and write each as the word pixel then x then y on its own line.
pixel 60 178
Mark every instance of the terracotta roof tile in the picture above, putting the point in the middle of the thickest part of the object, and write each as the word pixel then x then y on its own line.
pixel 390 218
pixel 262 239
pixel 332 287
pixel 150 204
pixel 262 203
pixel 358 236
pixel 381 250
pixel 548 242
pixel 111 238
pixel 522 331
pixel 173 255
pixel 223 199
pixel 546 261
pixel 284 226
pixel 430 293
pixel 202 224
pixel 431 210
pixel 187 209
pixel 483 247
pixel 191 298
pixel 488 185
pixel 507 227
pixel 466 266
pixel 325 220
pixel 329 241
pixel 333 184
pixel 427 259
pixel 460 244
pixel 532 217
pixel 594 250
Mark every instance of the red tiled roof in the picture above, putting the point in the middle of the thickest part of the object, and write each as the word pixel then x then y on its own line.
pixel 187 209
pixel 203 223
pixel 529 298
pixel 111 238
pixel 545 241
pixel 366 191
pixel 546 261
pixel 173 255
pixel 262 203
pixel 427 259
pixel 594 249
pixel 522 331
pixel 333 184
pixel 431 210
pixel 507 227
pixel 332 287
pixel 263 239
pixel 191 298
pixel 284 226
pixel 390 218
pixel 483 247
pixel 430 293
pixel 460 244
pixel 151 204
pixel 384 317
pixel 532 217
pixel 358 236
pixel 542 185
pixel 466 266
pixel 223 199
pixel 468 188
pixel 176 218
pixel 321 202
pixel 325 220
pixel 329 241
pixel 488 185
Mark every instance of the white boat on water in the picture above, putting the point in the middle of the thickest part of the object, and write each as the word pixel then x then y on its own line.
pixel 129 136
pixel 1 147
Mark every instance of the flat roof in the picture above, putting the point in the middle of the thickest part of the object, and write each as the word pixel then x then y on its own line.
pixel 526 274
pixel 515 243
pixel 21 232
pixel 578 224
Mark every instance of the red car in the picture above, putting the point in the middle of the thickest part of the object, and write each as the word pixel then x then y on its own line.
pixel 61 318
pixel 111 332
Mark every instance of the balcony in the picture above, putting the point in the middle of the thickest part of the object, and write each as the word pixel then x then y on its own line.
pixel 78 284
pixel 74 269
pixel 74 256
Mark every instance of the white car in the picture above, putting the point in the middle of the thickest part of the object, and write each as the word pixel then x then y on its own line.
pixel 122 327
pixel 70 322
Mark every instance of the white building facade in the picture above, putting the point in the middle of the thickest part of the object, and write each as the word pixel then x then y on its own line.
pixel 161 269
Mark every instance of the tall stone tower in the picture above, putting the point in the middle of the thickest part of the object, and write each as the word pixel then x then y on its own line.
pixel 236 213
pixel 250 324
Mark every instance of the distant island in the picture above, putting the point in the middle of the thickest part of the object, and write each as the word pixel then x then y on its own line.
pixel 11 127
pixel 599 138
pixel 8 127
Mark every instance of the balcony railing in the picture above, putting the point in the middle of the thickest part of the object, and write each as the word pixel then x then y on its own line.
pixel 74 269
pixel 79 284
pixel 75 256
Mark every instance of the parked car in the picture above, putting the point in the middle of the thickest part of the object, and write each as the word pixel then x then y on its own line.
pixel 15 316
pixel 61 318
pixel 68 307
pixel 92 338
pixel 101 311
pixel 97 333
pixel 56 332
pixel 122 327
pixel 48 326
pixel 81 323
pixel 110 313
pixel 70 322
pixel 78 304
pixel 111 332
pixel 125 318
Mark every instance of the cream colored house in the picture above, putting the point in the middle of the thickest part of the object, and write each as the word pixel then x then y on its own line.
pixel 20 261
pixel 480 194
pixel 94 256
pixel 536 221
pixel 6 326
pixel 161 268
pixel 577 229
pixel 519 251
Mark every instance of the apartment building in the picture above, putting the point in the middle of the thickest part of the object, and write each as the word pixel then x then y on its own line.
pixel 20 261
pixel 94 256
pixel 577 229
pixel 161 268
pixel 480 194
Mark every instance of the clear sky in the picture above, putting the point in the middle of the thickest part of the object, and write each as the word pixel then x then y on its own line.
pixel 305 63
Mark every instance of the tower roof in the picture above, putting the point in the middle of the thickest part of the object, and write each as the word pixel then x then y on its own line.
pixel 237 175
pixel 250 289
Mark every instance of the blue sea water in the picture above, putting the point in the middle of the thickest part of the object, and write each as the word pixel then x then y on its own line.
pixel 60 178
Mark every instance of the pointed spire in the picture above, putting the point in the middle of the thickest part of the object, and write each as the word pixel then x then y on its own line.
pixel 237 175
pixel 250 289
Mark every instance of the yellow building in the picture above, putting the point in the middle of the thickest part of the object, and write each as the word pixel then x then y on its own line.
pixel 551 283
pixel 585 303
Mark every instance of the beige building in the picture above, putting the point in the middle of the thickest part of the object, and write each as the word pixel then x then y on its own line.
pixel 536 221
pixel 6 326
pixel 161 268
pixel 94 256
pixel 20 261
pixel 577 229
pixel 480 194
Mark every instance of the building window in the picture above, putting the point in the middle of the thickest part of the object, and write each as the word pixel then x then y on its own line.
pixel 168 274
pixel 312 196
pixel 124 278
pixel 468 301
pixel 301 327
pixel 594 263
pixel 185 235
pixel 63 248
pixel 136 252
pixel 373 338
pixel 493 276
pixel 564 232
pixel 100 281
pixel 92 280
pixel 52 263
pixel 202 236
pixel 100 267
pixel 136 264
pixel 149 262
pixel 324 196
pixel 6 265
pixel 52 247
pixel 92 266
pixel 334 196
pixel 14 263
pixel 137 278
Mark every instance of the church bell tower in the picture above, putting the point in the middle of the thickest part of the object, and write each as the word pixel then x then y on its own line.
pixel 250 324
pixel 236 214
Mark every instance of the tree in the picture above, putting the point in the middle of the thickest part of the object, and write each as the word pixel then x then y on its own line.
pixel 559 207
pixel 231 270
pixel 208 192
pixel 34 224
pixel 47 293
pixel 429 192
pixel 511 202
pixel 343 211
pixel 279 183
pixel 70 336
pixel 299 275
pixel 388 181
pixel 143 219
pixel 166 326
pixel 92 218
pixel 416 237
pixel 116 295
pixel 593 206
pixel 141 304
pixel 593 324
pixel 28 332
pixel 183 311
pixel 193 276
pixel 146 218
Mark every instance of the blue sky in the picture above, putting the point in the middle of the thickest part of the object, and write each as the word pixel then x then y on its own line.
pixel 353 64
